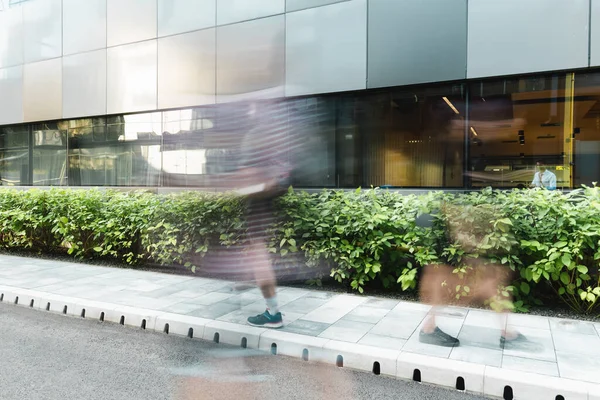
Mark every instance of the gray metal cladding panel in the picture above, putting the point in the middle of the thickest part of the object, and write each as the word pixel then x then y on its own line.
pixel 11 37
pixel 515 36
pixel 250 60
pixel 178 16
pixel 295 5
pixel 595 34
pixel 42 29
pixel 131 21
pixel 42 97
pixel 132 77
pixel 231 11
pixel 11 95
pixel 186 69
pixel 84 84
pixel 84 25
pixel 326 49
pixel 416 41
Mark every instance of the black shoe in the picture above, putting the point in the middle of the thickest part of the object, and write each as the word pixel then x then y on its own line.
pixel 438 338
pixel 512 343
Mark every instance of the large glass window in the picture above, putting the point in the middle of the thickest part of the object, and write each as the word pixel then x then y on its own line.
pixel 586 129
pixel 115 151
pixel 516 124
pixel 14 155
pixel 49 154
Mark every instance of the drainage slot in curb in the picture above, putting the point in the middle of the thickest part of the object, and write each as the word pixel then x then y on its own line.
pixel 65 310
pixel 48 307
pixel 560 397
pixel 122 321
pixel 216 337
pixel 191 333
pixel 376 368
pixel 31 303
pixel 102 316
pixel 508 393
pixel 417 375
pixel 460 383
pixel 83 313
pixel 17 300
pixel 244 343
pixel 143 326
pixel 166 330
pixel 339 361
pixel 305 354
pixel 2 297
pixel 274 349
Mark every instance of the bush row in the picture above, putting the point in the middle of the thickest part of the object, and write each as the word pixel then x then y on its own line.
pixel 549 239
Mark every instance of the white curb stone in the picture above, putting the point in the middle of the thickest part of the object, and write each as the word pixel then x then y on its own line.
pixel 442 371
pixel 362 357
pixel 527 386
pixel 94 309
pixel 294 345
pixel 593 392
pixel 181 324
pixel 133 316
pixel 233 334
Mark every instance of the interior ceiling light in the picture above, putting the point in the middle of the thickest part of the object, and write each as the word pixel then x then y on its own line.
pixel 450 105
pixel 474 131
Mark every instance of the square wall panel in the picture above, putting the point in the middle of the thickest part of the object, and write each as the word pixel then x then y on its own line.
pixel 295 5
pixel 131 82
pixel 42 98
pixel 11 37
pixel 186 69
pixel 595 37
pixel 131 21
pixel 42 29
pixel 515 36
pixel 230 11
pixel 84 84
pixel 11 98
pixel 416 41
pixel 250 59
pixel 326 49
pixel 84 25
pixel 178 16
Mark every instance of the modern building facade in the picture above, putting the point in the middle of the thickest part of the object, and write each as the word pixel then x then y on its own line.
pixel 398 93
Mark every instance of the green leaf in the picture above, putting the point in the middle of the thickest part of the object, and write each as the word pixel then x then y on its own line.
pixel 566 259
pixel 561 291
pixel 582 269
pixel 97 249
pixel 564 278
pixel 525 288
pixel 560 245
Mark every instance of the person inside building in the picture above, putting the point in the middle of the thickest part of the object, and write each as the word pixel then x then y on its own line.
pixel 543 178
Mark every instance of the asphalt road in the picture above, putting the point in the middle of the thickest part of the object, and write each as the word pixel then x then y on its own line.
pixel 47 356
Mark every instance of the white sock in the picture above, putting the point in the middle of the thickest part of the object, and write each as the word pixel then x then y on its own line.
pixel 272 305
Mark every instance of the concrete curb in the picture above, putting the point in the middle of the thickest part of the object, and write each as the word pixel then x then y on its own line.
pixel 460 375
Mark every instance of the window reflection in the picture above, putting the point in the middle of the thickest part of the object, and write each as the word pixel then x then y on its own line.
pixel 117 151
pixel 586 131
pixel 49 154
pixel 516 123
pixel 14 155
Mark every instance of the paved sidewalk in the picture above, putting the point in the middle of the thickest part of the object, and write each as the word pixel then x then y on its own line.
pixel 563 357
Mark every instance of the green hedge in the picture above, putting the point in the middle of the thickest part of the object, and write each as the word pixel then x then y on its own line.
pixel 368 238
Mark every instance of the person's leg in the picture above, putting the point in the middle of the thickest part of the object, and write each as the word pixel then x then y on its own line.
pixel 260 217
pixel 433 291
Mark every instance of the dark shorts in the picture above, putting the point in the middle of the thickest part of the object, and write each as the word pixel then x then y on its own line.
pixel 260 216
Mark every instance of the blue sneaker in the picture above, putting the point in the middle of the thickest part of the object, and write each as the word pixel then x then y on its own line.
pixel 267 320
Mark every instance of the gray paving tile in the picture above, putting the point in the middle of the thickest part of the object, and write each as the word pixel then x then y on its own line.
pixel 566 325
pixel 334 309
pixel 386 342
pixel 529 365
pixel 369 315
pixel 287 295
pixel 215 310
pixel 451 326
pixel 485 319
pixel 578 366
pixel 480 337
pixel 528 321
pixel 347 331
pixel 210 298
pixel 398 326
pixel 478 355
pixel 576 343
pixel 321 295
pixel 452 312
pixel 304 305
pixel 404 306
pixel 375 302
pixel 304 327
pixel 539 345
pixel 243 299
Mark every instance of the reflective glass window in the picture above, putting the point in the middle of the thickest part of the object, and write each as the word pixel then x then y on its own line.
pixel 50 154
pixel 14 155
pixel 586 129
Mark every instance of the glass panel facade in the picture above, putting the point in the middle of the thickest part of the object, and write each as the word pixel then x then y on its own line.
pixel 500 132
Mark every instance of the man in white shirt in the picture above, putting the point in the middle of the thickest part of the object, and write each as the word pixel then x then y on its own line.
pixel 543 178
